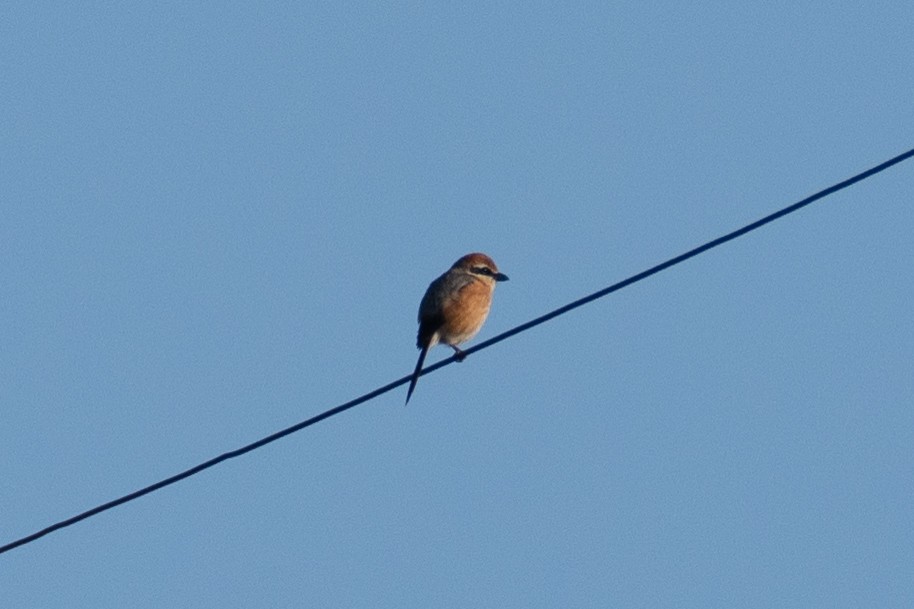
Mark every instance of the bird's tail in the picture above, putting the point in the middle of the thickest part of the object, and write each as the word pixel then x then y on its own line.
pixel 415 379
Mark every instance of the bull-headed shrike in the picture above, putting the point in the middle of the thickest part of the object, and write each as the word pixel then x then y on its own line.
pixel 455 306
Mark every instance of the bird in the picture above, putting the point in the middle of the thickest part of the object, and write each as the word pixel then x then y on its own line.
pixel 455 306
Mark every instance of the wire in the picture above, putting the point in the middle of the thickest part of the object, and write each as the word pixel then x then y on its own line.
pixel 483 345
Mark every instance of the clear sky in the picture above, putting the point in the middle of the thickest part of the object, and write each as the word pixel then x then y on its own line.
pixel 217 220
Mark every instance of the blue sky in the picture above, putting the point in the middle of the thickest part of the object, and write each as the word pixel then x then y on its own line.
pixel 217 221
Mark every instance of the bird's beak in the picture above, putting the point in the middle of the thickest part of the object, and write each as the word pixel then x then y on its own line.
pixel 501 277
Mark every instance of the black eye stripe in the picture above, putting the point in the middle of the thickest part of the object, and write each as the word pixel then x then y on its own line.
pixel 481 270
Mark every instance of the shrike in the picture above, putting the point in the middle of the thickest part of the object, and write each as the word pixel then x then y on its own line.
pixel 455 306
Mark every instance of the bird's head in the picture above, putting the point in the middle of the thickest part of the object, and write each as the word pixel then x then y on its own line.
pixel 480 265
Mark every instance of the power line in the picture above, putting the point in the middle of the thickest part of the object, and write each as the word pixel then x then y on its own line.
pixel 483 345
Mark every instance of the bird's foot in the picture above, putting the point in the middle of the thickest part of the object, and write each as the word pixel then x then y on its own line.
pixel 458 354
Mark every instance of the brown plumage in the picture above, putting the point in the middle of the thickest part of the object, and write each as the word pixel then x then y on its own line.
pixel 455 306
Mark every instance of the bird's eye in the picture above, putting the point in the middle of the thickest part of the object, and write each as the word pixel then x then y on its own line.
pixel 482 270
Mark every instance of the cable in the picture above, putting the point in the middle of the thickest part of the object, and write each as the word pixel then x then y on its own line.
pixel 483 345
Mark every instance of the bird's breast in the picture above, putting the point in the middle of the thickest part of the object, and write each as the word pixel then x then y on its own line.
pixel 465 313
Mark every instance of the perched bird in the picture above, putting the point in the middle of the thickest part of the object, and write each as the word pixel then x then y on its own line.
pixel 455 306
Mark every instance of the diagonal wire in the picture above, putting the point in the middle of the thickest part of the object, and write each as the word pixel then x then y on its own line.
pixel 483 345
